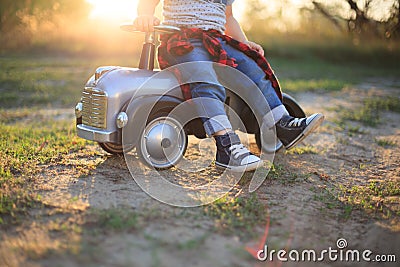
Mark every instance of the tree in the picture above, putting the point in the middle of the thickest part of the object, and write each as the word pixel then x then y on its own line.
pixel 22 20
pixel 12 12
pixel 393 24
pixel 362 18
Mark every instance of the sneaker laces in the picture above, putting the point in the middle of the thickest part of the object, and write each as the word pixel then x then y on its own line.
pixel 296 122
pixel 238 150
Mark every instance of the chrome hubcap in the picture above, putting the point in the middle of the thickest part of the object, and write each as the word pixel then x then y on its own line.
pixel 163 142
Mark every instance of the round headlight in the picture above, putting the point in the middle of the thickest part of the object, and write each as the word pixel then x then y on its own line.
pixel 78 110
pixel 122 120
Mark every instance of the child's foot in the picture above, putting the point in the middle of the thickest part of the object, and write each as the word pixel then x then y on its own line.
pixel 292 131
pixel 232 155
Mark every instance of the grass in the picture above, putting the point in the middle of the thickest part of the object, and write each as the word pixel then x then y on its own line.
pixel 300 150
pixel 38 81
pixel 330 200
pixel 347 127
pixel 116 219
pixel 300 66
pixel 236 214
pixel 338 50
pixel 287 176
pixel 28 140
pixel 377 198
pixel 308 64
pixel 327 197
pixel 23 148
pixel 55 81
pixel 323 84
pixel 276 171
pixel 385 142
pixel 374 197
pixel 369 113
pixel 194 243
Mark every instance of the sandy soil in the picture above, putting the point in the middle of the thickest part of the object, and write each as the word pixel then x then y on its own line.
pixel 306 210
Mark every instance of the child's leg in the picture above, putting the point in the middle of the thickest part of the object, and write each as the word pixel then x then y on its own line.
pixel 289 130
pixel 275 110
pixel 209 97
pixel 207 92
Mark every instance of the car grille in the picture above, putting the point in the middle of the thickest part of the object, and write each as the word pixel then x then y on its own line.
pixel 94 107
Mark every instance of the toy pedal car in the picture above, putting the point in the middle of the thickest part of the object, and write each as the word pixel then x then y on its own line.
pixel 110 103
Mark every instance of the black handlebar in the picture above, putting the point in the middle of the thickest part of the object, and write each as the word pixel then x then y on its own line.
pixel 148 50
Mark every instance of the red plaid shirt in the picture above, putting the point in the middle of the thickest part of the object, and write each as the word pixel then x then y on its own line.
pixel 178 44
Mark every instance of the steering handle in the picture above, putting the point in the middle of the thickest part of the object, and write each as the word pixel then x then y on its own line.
pixel 147 56
pixel 159 28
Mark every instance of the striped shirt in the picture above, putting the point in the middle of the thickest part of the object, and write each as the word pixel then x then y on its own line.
pixel 201 14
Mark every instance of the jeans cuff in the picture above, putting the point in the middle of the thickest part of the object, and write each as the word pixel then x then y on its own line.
pixel 273 116
pixel 217 123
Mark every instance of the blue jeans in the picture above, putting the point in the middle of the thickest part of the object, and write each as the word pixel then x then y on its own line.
pixel 212 94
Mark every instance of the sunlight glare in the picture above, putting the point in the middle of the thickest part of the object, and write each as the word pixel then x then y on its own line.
pixel 117 10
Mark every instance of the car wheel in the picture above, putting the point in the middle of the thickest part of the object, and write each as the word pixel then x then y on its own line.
pixel 163 141
pixel 115 149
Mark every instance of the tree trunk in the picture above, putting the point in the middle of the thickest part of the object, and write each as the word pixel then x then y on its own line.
pixel 326 14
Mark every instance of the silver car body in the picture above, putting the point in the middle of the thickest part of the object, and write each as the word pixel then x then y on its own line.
pixel 110 90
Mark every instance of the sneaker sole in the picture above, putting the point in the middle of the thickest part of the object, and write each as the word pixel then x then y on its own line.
pixel 245 168
pixel 315 123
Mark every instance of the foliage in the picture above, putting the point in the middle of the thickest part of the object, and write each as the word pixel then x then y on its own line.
pixel 363 18
pixel 356 18
pixel 13 12
pixel 19 19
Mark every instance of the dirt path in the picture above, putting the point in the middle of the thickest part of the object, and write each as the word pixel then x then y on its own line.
pixel 343 182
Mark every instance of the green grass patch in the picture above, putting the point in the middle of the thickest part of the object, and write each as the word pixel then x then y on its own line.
pixel 383 104
pixel 342 52
pixel 194 243
pixel 327 197
pixel 34 82
pixel 330 200
pixel 116 219
pixel 385 142
pixel 37 143
pixel 236 214
pixel 301 65
pixel 29 81
pixel 276 171
pixel 300 150
pixel 370 112
pixel 376 197
pixel 301 85
pixel 9 116
pixel 24 147
pixel 286 176
pixel 330 64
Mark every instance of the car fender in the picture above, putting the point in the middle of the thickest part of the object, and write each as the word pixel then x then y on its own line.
pixel 138 111
pixel 292 106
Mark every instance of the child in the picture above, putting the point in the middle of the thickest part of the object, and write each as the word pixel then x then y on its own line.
pixel 213 20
